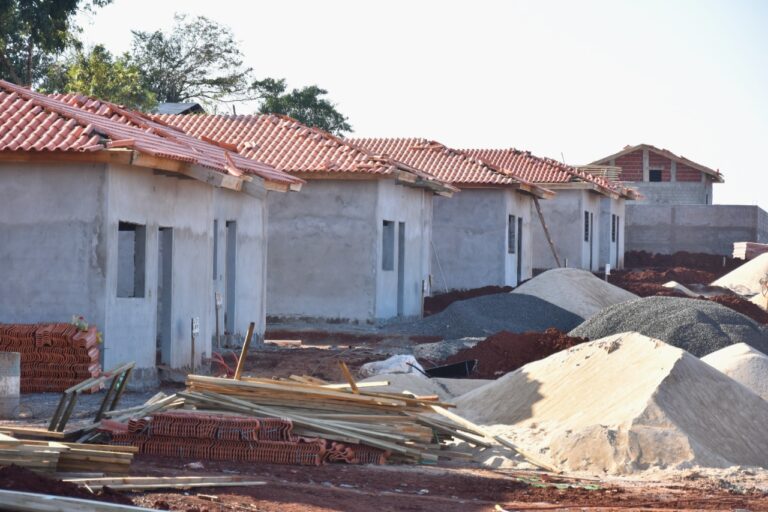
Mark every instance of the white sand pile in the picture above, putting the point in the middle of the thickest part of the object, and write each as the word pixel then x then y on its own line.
pixel 623 404
pixel 574 290
pixel 418 384
pixel 761 300
pixel 745 280
pixel 743 364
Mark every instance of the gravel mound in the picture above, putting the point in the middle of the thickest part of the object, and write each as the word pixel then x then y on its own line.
pixel 745 280
pixel 489 314
pixel 575 290
pixel 624 404
pixel 743 364
pixel 696 326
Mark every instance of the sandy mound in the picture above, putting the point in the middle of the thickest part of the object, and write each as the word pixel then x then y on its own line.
pixel 745 280
pixel 696 326
pixel 623 404
pixel 674 285
pixel 489 314
pixel 760 300
pixel 446 389
pixel 743 364
pixel 574 290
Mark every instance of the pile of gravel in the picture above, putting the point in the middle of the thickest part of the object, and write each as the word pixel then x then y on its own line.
pixel 489 314
pixel 697 326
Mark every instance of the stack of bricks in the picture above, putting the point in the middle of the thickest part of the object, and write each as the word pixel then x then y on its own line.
pixel 204 436
pixel 54 357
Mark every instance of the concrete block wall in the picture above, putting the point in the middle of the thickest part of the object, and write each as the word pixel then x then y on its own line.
pixel 710 229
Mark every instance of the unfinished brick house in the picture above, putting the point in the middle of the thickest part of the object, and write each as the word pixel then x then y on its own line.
pixel 107 214
pixel 585 219
pixel 355 246
pixel 481 236
pixel 663 177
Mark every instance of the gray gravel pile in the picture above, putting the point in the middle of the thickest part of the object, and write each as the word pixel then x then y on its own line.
pixel 489 314
pixel 696 326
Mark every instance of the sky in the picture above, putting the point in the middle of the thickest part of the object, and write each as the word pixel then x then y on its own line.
pixel 571 80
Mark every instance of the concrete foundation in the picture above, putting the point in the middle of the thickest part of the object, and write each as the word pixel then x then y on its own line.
pixel 471 239
pixel 327 250
pixel 60 226
pixel 10 384
pixel 710 229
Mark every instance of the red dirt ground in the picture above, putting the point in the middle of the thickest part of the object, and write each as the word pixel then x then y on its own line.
pixel 420 488
pixel 743 306
pixel 437 303
pixel 504 351
pixel 16 478
pixel 709 262
pixel 682 275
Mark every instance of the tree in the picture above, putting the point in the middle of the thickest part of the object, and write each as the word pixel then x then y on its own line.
pixel 34 32
pixel 99 74
pixel 198 60
pixel 305 105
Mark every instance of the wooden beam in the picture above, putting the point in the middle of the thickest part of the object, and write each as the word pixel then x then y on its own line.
pixel 114 156
pixel 546 232
pixel 244 351
pixel 348 376
pixel 33 502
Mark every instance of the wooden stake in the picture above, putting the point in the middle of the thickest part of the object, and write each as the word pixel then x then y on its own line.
pixel 348 376
pixel 546 231
pixel 244 352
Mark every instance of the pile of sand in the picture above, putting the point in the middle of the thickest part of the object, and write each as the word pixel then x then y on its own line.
pixel 623 404
pixel 743 364
pixel 696 326
pixel 745 280
pixel 418 384
pixel 574 290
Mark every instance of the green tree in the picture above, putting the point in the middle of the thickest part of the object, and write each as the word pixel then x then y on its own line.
pixel 198 60
pixel 305 105
pixel 34 32
pixel 97 73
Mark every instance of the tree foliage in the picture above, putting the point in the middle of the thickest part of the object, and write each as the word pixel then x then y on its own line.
pixel 97 73
pixel 305 105
pixel 34 32
pixel 198 60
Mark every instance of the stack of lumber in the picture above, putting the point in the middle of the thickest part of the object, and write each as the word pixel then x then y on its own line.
pixel 60 457
pixel 54 356
pixel 748 250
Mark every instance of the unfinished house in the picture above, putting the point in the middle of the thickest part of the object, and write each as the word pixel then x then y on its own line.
pixel 355 246
pixel 107 214
pixel 481 236
pixel 585 219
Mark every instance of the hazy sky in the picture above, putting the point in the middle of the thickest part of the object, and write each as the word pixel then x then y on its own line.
pixel 580 79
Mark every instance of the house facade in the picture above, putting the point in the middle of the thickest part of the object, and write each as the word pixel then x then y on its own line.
pixel 355 247
pixel 481 236
pixel 585 220
pixel 107 214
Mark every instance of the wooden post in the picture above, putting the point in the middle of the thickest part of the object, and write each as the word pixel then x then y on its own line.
pixel 546 231
pixel 348 376
pixel 244 352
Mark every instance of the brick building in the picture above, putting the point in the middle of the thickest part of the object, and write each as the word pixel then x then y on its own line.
pixel 663 177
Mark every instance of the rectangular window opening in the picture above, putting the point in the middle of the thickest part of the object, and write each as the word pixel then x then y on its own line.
pixel 388 245
pixel 511 238
pixel 654 175
pixel 215 248
pixel 586 226
pixel 131 259
pixel 614 226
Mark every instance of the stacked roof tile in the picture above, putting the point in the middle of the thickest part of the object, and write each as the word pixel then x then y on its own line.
pixel 545 171
pixel 291 146
pixel 447 164
pixel 30 121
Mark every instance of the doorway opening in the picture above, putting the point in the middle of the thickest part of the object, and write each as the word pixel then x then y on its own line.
pixel 401 269
pixel 164 294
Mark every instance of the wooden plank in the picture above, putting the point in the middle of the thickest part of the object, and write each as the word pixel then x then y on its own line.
pixel 244 351
pixel 348 376
pixel 32 502
pixel 546 231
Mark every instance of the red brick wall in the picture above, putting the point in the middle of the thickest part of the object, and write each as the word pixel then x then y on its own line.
pixel 685 173
pixel 631 166
pixel 659 162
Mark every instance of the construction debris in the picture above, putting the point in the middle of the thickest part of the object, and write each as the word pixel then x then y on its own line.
pixel 748 250
pixel 54 356
pixel 575 409
pixel 574 290
pixel 697 326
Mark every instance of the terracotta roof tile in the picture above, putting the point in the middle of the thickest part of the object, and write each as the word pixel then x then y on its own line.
pixel 31 121
pixel 540 170
pixel 291 146
pixel 447 164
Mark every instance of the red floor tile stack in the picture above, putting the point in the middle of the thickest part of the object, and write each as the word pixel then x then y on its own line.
pixel 53 356
pixel 196 435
